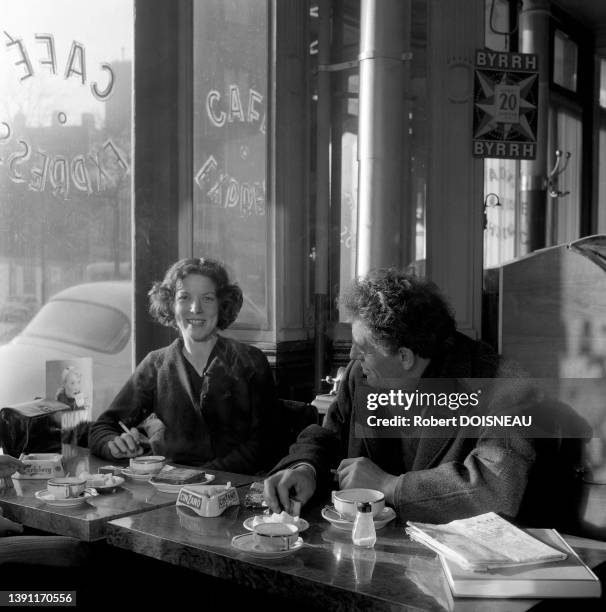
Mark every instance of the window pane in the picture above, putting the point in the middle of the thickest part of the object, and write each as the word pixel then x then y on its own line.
pixel 602 180
pixel 500 194
pixel 564 61
pixel 603 83
pixel 84 324
pixel 230 145
pixel 496 15
pixel 65 164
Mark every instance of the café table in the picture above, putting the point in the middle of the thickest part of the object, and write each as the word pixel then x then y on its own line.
pixel 89 521
pixel 397 574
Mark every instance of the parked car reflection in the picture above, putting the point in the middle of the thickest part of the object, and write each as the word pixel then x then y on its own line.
pixel 87 320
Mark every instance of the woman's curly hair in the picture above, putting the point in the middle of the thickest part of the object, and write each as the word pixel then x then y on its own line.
pixel 162 294
pixel 401 310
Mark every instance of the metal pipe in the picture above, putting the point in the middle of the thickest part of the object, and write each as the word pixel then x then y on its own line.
pixel 534 38
pixel 381 133
pixel 322 208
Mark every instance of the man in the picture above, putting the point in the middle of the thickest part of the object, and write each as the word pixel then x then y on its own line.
pixel 404 338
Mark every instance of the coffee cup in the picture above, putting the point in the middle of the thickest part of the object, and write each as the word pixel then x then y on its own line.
pixel 150 464
pixel 347 500
pixel 275 536
pixel 64 488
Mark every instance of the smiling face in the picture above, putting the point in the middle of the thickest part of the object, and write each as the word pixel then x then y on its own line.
pixel 196 308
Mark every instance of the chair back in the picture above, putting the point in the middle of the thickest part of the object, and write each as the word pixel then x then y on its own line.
pixel 297 416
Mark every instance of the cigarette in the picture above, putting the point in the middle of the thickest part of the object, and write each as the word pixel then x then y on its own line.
pixel 124 427
pixel 138 438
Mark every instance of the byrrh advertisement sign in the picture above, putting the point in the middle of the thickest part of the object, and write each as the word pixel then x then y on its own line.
pixel 506 89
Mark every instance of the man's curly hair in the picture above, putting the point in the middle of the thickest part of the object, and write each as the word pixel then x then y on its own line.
pixel 162 294
pixel 401 310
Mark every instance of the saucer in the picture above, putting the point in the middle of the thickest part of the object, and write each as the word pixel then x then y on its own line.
pixel 301 524
pixel 107 488
pixel 70 502
pixel 140 477
pixel 246 544
pixel 334 518
pixel 167 487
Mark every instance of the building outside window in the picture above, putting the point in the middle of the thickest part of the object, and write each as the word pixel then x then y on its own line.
pixel 65 175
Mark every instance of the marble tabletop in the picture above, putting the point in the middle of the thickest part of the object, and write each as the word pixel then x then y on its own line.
pixel 397 574
pixel 89 521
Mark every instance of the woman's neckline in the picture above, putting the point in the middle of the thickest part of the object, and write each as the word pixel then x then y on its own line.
pixel 201 361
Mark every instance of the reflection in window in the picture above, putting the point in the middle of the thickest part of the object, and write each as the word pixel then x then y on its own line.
pixel 230 145
pixel 565 53
pixel 500 200
pixel 65 148
pixel 349 207
pixel 84 324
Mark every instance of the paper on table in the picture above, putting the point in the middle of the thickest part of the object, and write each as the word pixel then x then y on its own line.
pixel 486 540
pixel 498 534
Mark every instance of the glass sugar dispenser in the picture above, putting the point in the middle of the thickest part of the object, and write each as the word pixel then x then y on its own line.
pixel 363 533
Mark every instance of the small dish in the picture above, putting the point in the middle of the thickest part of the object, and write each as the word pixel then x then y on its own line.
pixel 139 477
pixel 70 502
pixel 335 519
pixel 301 524
pixel 166 487
pixel 246 544
pixel 104 489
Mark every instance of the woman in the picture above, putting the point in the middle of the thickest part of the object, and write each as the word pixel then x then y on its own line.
pixel 215 397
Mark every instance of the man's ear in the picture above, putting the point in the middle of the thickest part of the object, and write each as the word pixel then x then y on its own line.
pixel 407 357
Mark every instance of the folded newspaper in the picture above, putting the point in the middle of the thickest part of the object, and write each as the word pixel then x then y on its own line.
pixel 483 542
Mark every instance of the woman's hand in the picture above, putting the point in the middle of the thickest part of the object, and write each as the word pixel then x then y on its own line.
pixel 126 445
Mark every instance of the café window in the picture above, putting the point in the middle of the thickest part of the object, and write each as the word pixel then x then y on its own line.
pixel 230 146
pixel 65 171
pixel 602 148
pixel 565 61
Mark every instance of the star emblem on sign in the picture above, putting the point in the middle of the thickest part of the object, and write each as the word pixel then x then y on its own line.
pixel 505 105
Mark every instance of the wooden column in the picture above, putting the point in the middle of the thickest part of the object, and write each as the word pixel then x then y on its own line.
pixel 288 198
pixel 156 160
pixel 454 187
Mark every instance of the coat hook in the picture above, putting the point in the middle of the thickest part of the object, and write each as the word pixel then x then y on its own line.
pixel 551 181
pixel 489 200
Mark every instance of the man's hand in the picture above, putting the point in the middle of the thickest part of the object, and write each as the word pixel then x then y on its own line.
pixel 9 465
pixel 278 487
pixel 362 473
pixel 126 445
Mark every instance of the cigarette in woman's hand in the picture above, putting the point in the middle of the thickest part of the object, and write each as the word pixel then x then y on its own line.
pixel 335 475
pixel 124 427
pixel 139 438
